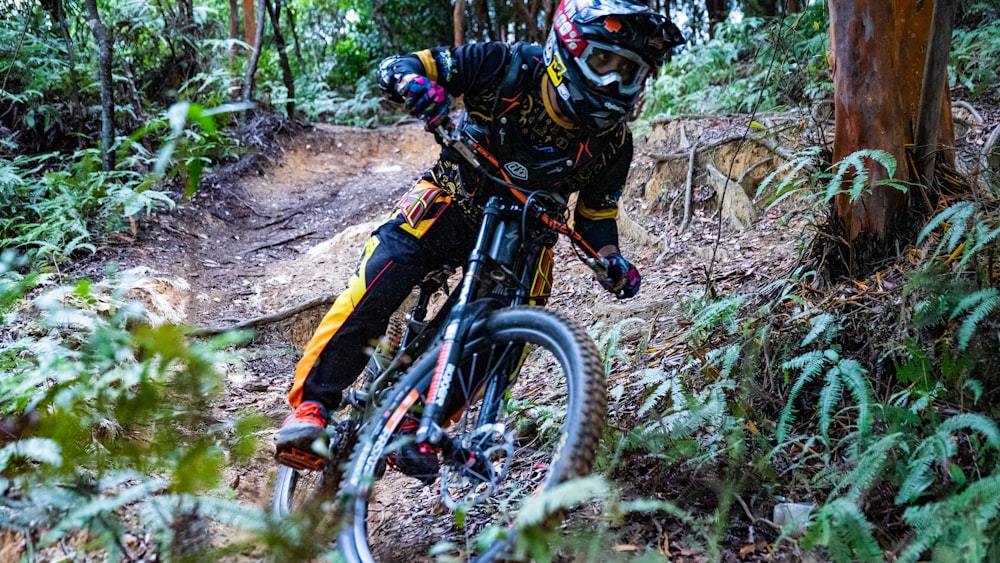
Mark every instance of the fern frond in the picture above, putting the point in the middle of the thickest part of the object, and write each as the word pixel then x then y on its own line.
pixel 859 182
pixel 855 378
pixel 871 465
pixel 974 422
pixel 957 212
pixel 980 236
pixel 981 303
pixel 820 325
pixel 937 447
pixel 843 530
pixel 829 396
pixel 791 177
pixel 955 525
pixel 657 383
pixel 565 495
pixel 809 364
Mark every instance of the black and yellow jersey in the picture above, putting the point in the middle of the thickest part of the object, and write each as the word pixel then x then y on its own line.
pixel 505 93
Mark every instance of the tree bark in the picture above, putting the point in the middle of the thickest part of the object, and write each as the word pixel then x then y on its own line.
pixel 718 11
pixel 378 15
pixel 877 52
pixel 530 18
pixel 234 23
pixel 258 42
pixel 290 12
pixel 55 7
pixel 249 23
pixel 274 9
pixel 458 16
pixel 104 63
pixel 933 89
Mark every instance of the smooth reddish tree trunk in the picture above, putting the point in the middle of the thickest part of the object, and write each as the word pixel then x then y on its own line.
pixel 877 51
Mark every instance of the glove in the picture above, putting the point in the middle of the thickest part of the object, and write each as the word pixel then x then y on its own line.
pixel 424 98
pixel 623 279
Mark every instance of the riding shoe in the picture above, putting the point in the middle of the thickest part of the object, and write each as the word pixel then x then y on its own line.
pixel 294 445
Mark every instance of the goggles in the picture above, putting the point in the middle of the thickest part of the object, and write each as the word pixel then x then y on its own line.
pixel 605 64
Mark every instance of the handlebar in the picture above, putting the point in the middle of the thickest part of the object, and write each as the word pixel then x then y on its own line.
pixel 450 136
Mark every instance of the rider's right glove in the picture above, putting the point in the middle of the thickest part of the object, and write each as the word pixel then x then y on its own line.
pixel 424 98
pixel 623 279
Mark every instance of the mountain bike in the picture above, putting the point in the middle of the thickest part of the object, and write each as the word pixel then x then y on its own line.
pixel 510 397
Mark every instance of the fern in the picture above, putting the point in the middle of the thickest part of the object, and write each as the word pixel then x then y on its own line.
pixel 859 180
pixel 810 364
pixel 955 217
pixel 843 530
pixel 657 385
pixel 825 325
pixel 938 448
pixel 956 527
pixel 792 180
pixel 871 465
pixel 721 312
pixel 981 303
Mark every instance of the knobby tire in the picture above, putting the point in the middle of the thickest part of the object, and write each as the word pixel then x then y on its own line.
pixel 544 453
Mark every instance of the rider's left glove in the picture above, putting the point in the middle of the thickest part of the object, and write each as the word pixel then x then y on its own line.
pixel 623 279
pixel 424 98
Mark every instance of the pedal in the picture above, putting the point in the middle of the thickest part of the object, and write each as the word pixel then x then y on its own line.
pixel 303 461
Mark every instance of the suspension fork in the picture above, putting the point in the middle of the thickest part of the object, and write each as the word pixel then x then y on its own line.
pixel 457 328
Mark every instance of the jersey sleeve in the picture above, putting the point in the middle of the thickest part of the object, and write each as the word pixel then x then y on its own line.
pixel 596 213
pixel 469 69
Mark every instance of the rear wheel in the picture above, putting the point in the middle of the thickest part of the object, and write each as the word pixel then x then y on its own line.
pixel 311 493
pixel 543 431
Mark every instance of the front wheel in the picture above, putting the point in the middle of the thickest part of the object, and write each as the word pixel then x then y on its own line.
pixel 544 430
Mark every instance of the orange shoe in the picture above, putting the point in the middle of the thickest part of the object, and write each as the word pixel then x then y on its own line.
pixel 298 433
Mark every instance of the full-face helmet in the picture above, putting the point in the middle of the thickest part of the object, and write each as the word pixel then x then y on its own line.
pixel 599 54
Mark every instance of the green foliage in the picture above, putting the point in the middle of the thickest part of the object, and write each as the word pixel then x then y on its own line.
pixel 961 527
pixel 973 57
pixel 844 531
pixel 838 373
pixel 855 168
pixel 755 64
pixel 116 422
pixel 60 212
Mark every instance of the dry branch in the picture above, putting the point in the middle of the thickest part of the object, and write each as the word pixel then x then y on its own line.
pixel 269 318
pixel 688 188
pixel 280 242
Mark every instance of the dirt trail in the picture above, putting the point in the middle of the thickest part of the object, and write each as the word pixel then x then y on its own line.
pixel 290 230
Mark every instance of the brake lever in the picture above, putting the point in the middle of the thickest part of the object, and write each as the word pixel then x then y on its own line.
pixel 450 137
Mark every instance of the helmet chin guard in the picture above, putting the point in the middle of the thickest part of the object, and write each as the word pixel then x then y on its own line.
pixel 600 53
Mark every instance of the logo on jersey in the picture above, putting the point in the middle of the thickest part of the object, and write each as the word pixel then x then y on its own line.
pixel 517 170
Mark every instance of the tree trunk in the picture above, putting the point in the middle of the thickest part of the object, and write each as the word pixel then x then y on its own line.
pixel 295 35
pixel 458 17
pixel 55 7
pixel 258 41
pixel 718 11
pixel 274 9
pixel 234 23
pixel 378 15
pixel 878 50
pixel 530 19
pixel 107 85
pixel 249 23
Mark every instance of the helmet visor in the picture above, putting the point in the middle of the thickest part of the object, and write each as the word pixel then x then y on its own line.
pixel 605 65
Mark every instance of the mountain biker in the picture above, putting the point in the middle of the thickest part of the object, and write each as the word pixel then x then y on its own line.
pixel 554 117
